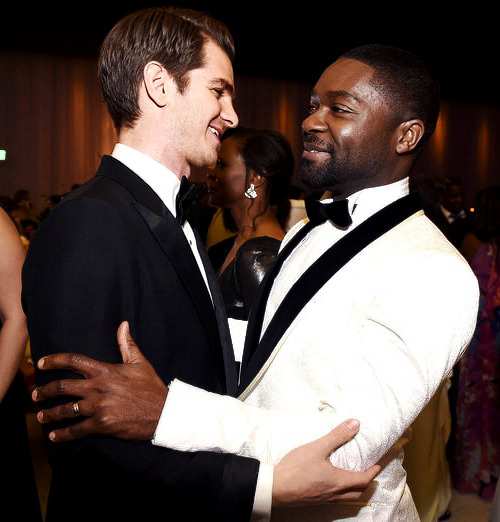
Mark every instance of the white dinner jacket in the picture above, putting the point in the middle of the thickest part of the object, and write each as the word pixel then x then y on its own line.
pixel 374 343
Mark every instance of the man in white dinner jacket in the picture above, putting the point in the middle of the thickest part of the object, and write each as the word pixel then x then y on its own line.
pixel 366 310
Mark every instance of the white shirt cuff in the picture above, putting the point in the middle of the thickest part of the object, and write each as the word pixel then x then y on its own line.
pixel 262 502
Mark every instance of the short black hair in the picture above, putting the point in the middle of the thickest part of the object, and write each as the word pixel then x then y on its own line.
pixel 405 80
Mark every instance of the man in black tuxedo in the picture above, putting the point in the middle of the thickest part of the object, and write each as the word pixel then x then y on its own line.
pixel 451 216
pixel 118 247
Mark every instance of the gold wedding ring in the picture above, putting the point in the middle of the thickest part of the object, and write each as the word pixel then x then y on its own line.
pixel 76 409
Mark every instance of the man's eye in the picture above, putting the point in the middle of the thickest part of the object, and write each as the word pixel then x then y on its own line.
pixel 311 108
pixel 341 108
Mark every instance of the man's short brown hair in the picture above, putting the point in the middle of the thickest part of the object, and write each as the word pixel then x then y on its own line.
pixel 174 37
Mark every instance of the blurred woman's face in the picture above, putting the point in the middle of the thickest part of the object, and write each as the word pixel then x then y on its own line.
pixel 226 180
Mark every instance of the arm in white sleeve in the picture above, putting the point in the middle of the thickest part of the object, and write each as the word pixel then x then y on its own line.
pixel 196 420
pixel 403 329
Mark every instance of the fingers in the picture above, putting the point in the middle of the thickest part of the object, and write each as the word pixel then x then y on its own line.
pixel 305 475
pixel 128 348
pixel 343 433
pixel 71 410
pixel 355 482
pixel 63 387
pixel 64 412
pixel 336 484
pixel 372 473
pixel 72 361
pixel 76 431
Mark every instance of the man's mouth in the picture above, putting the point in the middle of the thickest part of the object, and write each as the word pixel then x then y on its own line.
pixel 315 147
pixel 310 148
pixel 215 131
pixel 313 152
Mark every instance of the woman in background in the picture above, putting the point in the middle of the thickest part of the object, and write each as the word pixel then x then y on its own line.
pixel 476 461
pixel 18 496
pixel 251 182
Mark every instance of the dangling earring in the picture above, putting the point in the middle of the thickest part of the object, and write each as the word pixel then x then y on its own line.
pixel 250 192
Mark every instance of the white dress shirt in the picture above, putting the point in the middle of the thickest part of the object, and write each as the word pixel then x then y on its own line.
pixel 164 183
pixel 362 205
pixel 452 217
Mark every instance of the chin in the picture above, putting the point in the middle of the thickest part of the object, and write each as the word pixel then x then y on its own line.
pixel 208 160
pixel 317 175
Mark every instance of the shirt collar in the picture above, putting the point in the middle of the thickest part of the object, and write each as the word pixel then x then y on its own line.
pixel 162 180
pixel 370 200
pixel 367 201
pixel 450 216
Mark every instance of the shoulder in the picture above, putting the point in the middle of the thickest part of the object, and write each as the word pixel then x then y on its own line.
pixel 260 245
pixel 256 256
pixel 431 261
pixel 89 222
pixel 258 251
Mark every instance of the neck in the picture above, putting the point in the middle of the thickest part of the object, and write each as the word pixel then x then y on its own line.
pixel 252 221
pixel 140 140
pixel 348 189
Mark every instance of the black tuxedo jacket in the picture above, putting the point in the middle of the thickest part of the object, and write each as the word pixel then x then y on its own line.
pixel 111 251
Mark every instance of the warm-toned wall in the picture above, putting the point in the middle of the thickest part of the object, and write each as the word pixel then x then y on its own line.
pixel 54 126
pixel 53 123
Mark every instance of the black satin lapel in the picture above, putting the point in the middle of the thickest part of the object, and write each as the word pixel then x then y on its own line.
pixel 112 168
pixel 320 272
pixel 256 317
pixel 221 316
pixel 173 242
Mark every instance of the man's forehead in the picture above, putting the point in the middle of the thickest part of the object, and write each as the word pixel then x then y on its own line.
pixel 218 68
pixel 345 77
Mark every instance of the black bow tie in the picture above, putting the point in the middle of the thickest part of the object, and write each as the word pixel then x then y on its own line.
pixel 185 200
pixel 336 211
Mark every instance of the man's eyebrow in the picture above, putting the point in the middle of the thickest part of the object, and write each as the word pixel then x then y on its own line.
pixel 329 95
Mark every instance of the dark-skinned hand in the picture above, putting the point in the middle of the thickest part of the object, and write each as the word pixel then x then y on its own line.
pixel 120 400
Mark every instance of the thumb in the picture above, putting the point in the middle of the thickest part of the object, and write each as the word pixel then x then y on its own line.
pixel 343 433
pixel 129 350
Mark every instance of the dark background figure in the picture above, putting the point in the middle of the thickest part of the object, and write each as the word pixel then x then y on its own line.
pixel 52 201
pixel 6 203
pixel 22 206
pixel 453 218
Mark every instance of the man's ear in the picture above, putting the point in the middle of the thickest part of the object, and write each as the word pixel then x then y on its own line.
pixel 411 132
pixel 157 83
